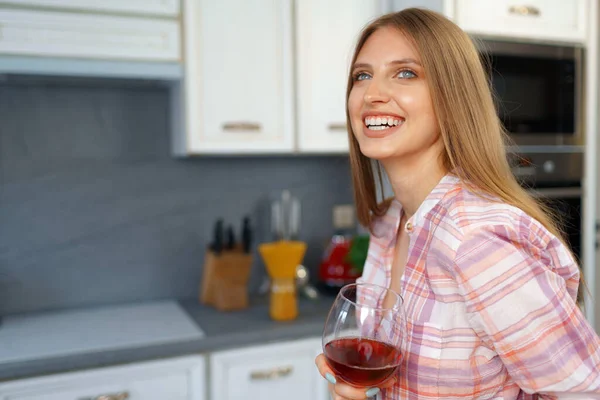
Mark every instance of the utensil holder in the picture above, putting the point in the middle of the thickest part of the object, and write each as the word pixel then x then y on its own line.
pixel 225 279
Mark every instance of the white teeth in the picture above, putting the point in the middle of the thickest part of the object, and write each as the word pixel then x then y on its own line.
pixel 382 122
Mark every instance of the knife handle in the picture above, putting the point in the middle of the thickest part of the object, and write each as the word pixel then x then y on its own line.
pixel 217 245
pixel 246 235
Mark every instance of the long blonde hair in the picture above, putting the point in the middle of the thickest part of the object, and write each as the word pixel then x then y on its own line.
pixel 473 137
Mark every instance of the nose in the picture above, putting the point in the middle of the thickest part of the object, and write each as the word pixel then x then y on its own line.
pixel 377 92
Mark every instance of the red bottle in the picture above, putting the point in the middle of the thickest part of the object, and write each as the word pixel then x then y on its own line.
pixel 335 269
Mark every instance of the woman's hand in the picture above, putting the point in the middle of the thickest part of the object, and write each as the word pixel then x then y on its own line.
pixel 343 391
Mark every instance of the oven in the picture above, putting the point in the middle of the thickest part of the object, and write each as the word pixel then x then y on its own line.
pixel 538 90
pixel 555 179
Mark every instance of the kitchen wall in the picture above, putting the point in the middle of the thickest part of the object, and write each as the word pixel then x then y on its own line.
pixel 95 210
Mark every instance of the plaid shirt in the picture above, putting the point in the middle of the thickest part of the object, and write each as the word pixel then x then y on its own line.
pixel 489 296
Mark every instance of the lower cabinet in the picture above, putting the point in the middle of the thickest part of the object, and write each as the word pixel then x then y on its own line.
pixel 283 370
pixel 276 371
pixel 174 379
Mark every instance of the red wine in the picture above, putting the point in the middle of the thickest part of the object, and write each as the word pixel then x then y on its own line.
pixel 362 362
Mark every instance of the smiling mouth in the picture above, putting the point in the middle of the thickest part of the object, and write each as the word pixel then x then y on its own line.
pixel 382 123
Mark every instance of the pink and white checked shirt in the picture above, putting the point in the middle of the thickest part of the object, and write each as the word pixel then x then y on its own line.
pixel 489 296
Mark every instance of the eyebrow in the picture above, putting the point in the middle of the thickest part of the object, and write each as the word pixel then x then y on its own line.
pixel 395 62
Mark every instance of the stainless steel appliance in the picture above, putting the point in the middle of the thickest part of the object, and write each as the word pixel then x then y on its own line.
pixel 556 179
pixel 538 89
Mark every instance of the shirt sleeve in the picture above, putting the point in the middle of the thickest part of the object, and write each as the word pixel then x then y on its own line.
pixel 519 304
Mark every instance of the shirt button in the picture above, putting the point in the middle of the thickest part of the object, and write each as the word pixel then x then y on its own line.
pixel 409 227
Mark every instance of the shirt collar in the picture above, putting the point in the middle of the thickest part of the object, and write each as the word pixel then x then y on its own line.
pixel 386 227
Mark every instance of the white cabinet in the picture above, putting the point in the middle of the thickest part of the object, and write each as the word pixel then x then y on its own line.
pixel 268 372
pixel 324 53
pixel 150 7
pixel 174 379
pixel 238 77
pixel 263 86
pixel 27 32
pixel 544 20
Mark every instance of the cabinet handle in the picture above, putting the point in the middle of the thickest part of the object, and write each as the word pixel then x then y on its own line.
pixel 241 126
pixel 115 396
pixel 525 10
pixel 337 127
pixel 271 374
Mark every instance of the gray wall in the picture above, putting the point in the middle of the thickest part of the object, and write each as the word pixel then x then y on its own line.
pixel 94 210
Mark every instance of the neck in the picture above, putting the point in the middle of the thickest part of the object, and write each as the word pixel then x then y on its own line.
pixel 414 177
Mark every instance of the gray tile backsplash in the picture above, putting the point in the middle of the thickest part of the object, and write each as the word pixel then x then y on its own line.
pixel 95 210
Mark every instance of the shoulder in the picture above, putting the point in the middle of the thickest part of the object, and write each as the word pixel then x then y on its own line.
pixel 490 231
pixel 481 222
pixel 477 214
pixel 470 210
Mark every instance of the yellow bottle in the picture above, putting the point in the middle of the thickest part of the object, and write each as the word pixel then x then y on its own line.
pixel 281 259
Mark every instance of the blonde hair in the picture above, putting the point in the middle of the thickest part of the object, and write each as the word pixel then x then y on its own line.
pixel 473 136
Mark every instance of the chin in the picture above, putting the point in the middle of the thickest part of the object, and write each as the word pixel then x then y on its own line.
pixel 376 152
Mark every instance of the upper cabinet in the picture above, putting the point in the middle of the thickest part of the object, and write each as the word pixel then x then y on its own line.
pixel 168 8
pixel 261 86
pixel 324 52
pixel 540 20
pixel 112 38
pixel 65 34
pixel 238 77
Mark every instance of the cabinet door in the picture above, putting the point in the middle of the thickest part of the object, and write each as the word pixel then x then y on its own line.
pixel 58 34
pixel 175 379
pixel 326 32
pixel 238 82
pixel 552 20
pixel 153 7
pixel 269 372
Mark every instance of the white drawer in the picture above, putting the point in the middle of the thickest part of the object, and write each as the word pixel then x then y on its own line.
pixel 55 34
pixel 177 379
pixel 172 387
pixel 270 372
pixel 152 7
pixel 553 20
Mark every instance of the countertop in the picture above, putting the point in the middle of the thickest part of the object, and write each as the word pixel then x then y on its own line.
pixel 223 330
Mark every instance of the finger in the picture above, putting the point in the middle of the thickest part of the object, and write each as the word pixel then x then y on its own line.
pixel 344 391
pixel 353 393
pixel 324 369
pixel 391 381
pixel 333 394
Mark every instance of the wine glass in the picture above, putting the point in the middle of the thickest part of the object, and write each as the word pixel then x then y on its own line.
pixel 364 334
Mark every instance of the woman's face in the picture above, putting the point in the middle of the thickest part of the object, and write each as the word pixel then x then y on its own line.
pixel 390 106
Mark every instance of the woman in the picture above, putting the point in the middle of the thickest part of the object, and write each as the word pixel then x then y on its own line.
pixel 489 287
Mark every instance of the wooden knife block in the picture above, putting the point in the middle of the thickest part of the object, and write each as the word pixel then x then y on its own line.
pixel 225 279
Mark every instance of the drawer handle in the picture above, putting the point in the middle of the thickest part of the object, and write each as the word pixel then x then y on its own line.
pixel 525 10
pixel 241 126
pixel 275 373
pixel 115 396
pixel 337 127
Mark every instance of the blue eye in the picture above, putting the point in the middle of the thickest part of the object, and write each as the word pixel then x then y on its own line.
pixel 406 74
pixel 361 76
